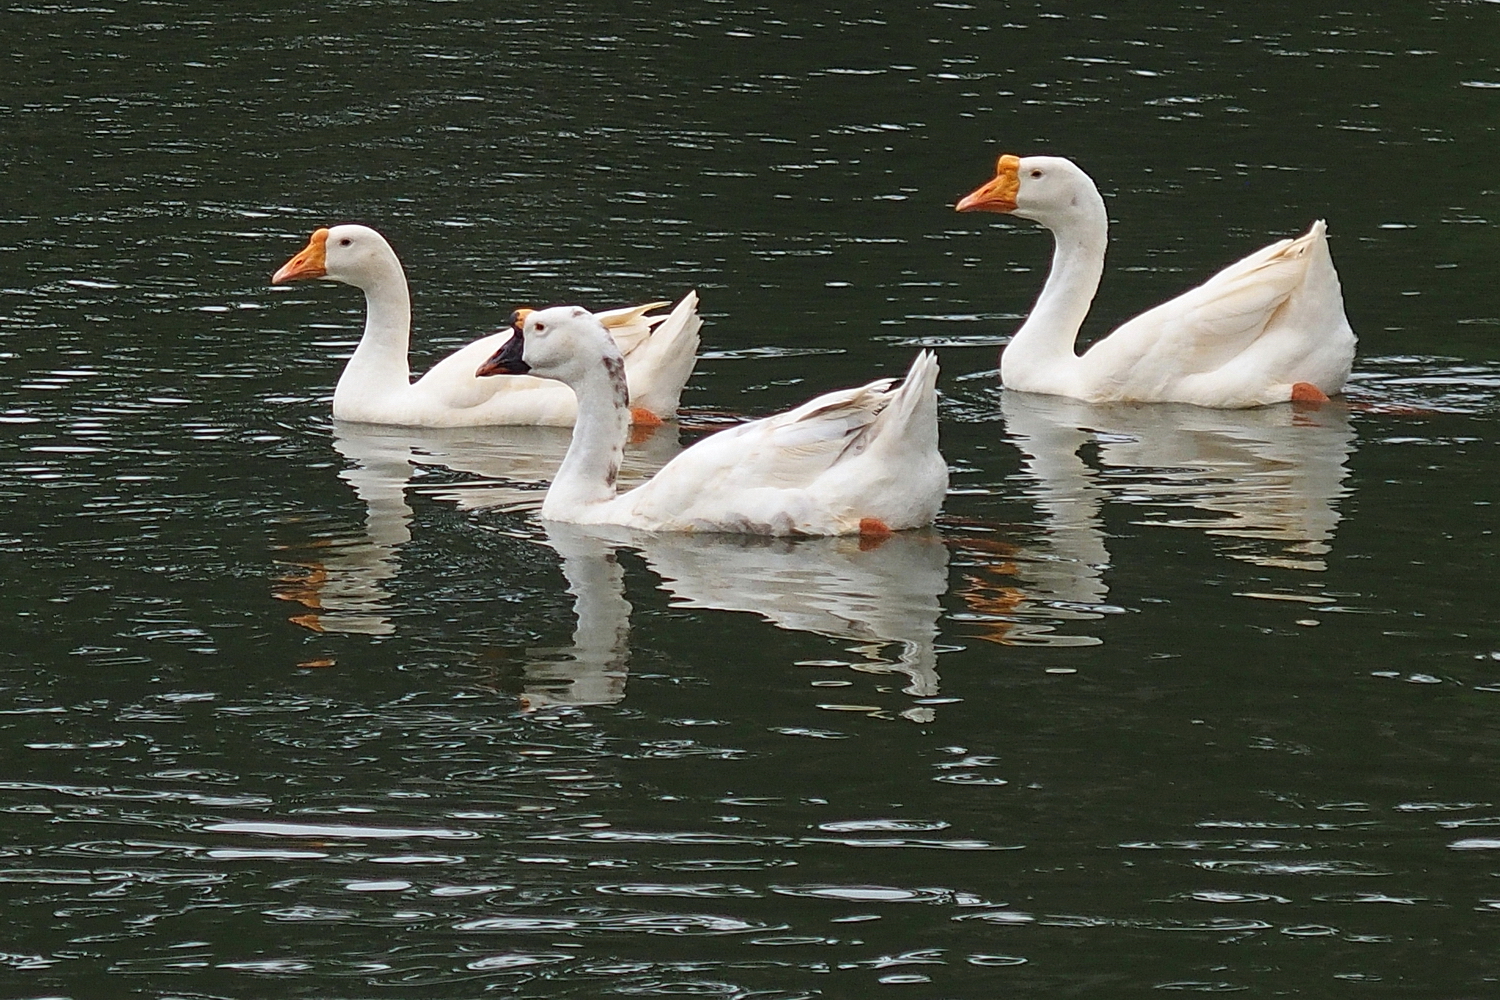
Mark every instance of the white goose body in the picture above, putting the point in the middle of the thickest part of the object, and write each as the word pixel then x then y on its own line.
pixel 1267 329
pixel 857 461
pixel 376 385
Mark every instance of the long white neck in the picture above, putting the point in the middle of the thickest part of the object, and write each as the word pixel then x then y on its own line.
pixel 1045 343
pixel 588 471
pixel 379 366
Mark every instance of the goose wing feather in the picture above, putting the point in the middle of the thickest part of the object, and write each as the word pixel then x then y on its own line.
pixel 1208 326
pixel 785 450
pixel 450 386
pixel 870 451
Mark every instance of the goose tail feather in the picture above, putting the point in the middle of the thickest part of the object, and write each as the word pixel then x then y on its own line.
pixel 660 366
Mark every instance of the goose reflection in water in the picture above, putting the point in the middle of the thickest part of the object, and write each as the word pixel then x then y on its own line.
pixel 593 669
pixel 342 579
pixel 883 597
pixel 1269 479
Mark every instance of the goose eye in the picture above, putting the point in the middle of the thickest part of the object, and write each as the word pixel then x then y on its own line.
pixel 346 241
pixel 539 328
pixel 1036 173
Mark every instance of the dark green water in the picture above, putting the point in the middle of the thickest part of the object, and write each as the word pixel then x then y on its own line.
pixel 1170 700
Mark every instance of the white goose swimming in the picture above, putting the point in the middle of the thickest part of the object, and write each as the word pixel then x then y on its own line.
pixel 376 386
pixel 857 461
pixel 1267 329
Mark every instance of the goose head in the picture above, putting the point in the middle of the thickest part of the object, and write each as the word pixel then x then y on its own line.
pixel 1045 189
pixel 351 254
pixel 565 343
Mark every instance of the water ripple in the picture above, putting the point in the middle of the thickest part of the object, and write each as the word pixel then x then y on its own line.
pixel 331 831
pixel 676 924
pixel 292 709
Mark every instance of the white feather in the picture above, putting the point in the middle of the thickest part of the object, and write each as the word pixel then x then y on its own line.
pixel 832 466
pixel 376 386
pixel 1243 338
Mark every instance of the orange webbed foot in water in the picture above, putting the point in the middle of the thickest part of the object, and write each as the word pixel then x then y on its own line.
pixel 641 417
pixel 873 533
pixel 643 424
pixel 1306 392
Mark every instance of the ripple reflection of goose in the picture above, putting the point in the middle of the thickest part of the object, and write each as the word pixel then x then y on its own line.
pixel 856 461
pixel 342 580
pixel 593 670
pixel 874 596
pixel 1268 478
pixel 376 385
pixel 1273 476
pixel 1267 329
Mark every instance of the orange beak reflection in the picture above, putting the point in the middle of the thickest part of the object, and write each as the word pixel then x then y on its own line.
pixel 999 195
pixel 310 263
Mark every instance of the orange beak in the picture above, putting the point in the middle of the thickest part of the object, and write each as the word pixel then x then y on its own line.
pixel 999 195
pixel 310 263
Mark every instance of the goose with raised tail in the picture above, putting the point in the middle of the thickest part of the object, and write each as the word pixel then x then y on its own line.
pixel 1267 329
pixel 858 461
pixel 376 386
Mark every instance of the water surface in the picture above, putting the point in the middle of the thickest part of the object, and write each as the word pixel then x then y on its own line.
pixel 1170 699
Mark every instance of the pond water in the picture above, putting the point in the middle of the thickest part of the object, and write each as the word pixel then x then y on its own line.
pixel 1170 699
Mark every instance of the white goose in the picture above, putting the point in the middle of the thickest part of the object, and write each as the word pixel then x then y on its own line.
pixel 1268 329
pixel 376 386
pixel 857 461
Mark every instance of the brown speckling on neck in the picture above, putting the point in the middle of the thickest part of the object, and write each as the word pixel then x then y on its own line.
pixel 612 474
pixel 615 367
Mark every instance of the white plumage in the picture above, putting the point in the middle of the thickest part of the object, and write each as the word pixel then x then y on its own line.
pixel 1267 329
pixel 862 460
pixel 376 386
